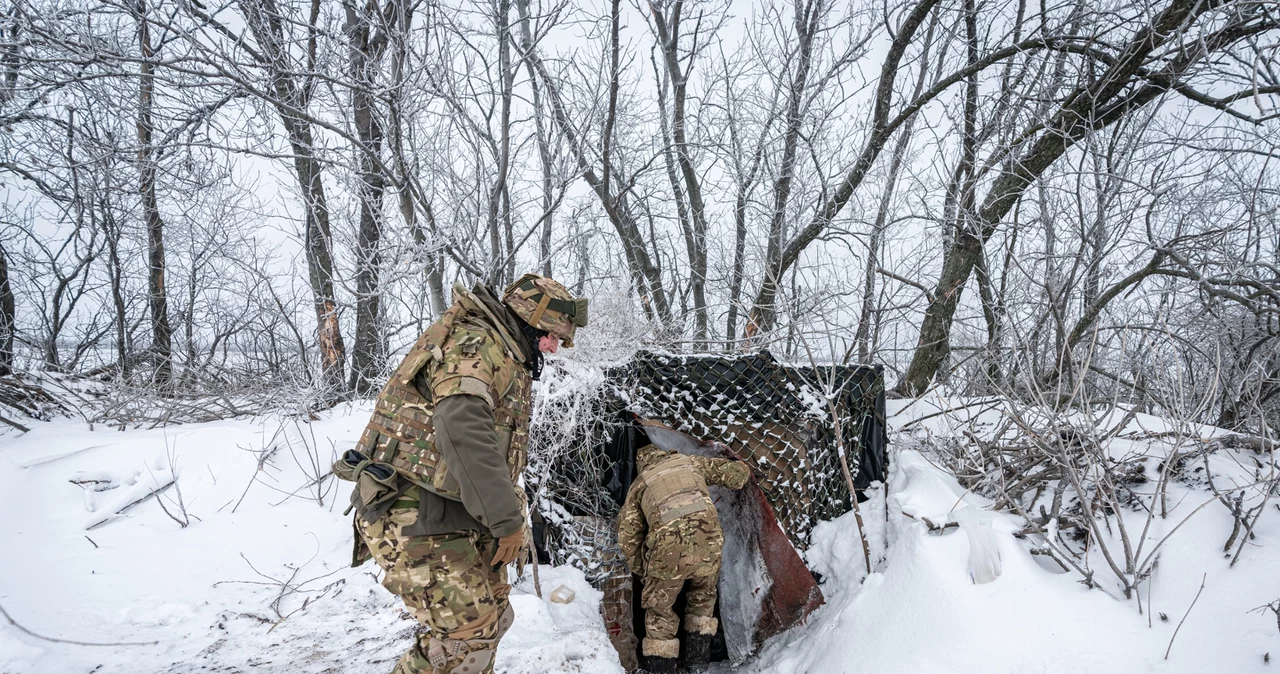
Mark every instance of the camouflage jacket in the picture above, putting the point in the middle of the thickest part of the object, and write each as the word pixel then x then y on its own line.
pixel 668 527
pixel 454 418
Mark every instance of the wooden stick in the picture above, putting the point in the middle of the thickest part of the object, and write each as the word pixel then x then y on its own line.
pixel 1184 616
pixel 15 424
pixel 537 582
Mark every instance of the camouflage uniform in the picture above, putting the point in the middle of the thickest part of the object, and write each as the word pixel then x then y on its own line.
pixel 439 464
pixel 448 586
pixel 670 534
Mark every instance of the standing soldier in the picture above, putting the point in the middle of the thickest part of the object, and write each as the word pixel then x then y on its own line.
pixel 670 534
pixel 438 499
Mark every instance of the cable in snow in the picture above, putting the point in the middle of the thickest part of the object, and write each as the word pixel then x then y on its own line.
pixel 69 641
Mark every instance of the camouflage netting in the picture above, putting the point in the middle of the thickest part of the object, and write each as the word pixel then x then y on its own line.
pixel 775 416
pixel 584 437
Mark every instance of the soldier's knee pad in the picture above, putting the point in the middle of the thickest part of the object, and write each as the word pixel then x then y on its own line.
pixel 416 660
pixel 471 648
pixel 696 624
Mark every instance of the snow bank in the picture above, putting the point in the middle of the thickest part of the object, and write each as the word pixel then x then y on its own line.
pixel 258 580
pixel 920 610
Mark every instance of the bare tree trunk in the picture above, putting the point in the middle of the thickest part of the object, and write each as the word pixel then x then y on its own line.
pixel 161 330
pixel 434 253
pixel 266 23
pixel 111 231
pixel 746 179
pixel 8 316
pixel 645 273
pixel 69 287
pixel 764 314
pixel 669 39
pixel 365 48
pixel 673 179
pixel 739 260
pixel 10 59
pixel 496 215
pixel 868 314
pixel 544 147
pixel 320 263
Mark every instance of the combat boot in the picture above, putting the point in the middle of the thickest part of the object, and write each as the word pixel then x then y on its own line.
pixel 697 653
pixel 699 630
pixel 660 655
pixel 658 665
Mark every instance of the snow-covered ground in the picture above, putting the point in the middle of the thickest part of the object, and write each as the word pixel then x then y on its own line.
pixel 258 580
pixel 921 612
pixel 208 596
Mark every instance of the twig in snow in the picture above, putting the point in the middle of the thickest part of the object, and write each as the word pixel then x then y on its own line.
pixel 288 586
pixel 1184 616
pixel 990 405
pixel 95 545
pixel 1274 607
pixel 70 641
pixel 111 517
pixel 934 528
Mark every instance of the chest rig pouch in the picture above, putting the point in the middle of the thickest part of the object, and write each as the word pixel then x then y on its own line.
pixel 400 432
pixel 674 489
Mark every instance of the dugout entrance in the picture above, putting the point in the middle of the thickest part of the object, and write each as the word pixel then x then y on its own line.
pixel 778 417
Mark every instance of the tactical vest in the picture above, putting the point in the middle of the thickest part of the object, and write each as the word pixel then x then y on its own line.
pixel 674 488
pixel 400 432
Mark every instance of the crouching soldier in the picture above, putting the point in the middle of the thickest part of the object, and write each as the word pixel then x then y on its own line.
pixel 670 534
pixel 438 501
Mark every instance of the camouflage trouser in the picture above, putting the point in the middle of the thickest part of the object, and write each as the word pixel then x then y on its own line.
pixel 658 598
pixel 448 585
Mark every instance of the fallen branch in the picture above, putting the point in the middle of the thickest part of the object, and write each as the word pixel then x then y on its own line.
pixel 111 517
pixel 1274 607
pixel 991 404
pixel 933 528
pixel 10 422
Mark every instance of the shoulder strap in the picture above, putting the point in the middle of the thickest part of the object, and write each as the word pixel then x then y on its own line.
pixel 475 305
pixel 428 345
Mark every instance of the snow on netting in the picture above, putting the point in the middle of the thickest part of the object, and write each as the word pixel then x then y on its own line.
pixel 583 442
pixel 775 416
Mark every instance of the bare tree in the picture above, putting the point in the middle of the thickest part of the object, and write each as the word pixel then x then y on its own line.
pixel 1178 40
pixel 8 316
pixel 291 87
pixel 609 186
pixel 693 219
pixel 161 331
pixel 367 29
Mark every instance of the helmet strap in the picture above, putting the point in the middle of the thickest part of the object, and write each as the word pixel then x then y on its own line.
pixel 532 335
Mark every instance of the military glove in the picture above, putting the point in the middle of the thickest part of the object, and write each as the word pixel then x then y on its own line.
pixel 509 548
pixel 740 473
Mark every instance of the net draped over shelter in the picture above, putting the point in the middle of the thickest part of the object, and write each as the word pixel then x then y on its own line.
pixel 777 417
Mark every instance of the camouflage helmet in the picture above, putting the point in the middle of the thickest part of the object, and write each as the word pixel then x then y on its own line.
pixel 547 305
